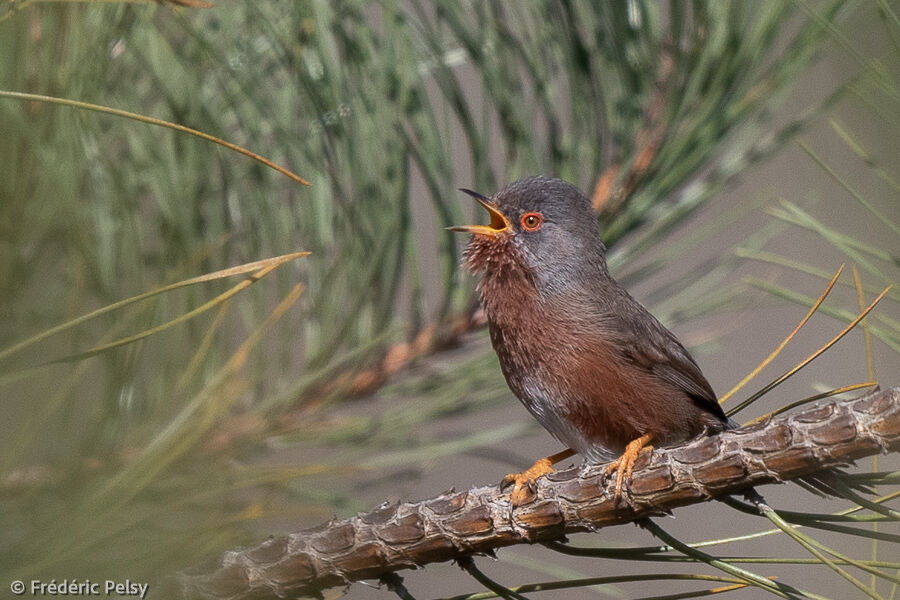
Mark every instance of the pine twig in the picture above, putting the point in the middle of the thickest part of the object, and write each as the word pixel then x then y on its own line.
pixel 479 520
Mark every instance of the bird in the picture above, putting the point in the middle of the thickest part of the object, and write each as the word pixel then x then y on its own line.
pixel 590 363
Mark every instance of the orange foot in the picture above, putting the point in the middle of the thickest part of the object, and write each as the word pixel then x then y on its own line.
pixel 524 489
pixel 625 464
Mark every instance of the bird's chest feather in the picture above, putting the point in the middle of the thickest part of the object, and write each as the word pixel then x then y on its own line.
pixel 541 354
pixel 562 366
pixel 519 330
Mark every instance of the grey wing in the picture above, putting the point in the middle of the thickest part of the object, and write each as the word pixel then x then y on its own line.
pixel 654 347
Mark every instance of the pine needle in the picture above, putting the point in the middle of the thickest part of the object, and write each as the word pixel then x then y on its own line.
pixel 750 376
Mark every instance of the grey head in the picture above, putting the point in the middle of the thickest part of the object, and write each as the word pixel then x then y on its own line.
pixel 551 225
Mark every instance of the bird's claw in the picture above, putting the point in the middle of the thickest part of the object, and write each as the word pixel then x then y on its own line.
pixel 524 487
pixel 624 465
pixel 508 480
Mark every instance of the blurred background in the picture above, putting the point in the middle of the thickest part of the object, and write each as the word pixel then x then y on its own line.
pixel 736 153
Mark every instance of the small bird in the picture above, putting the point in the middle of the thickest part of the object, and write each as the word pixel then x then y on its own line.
pixel 587 360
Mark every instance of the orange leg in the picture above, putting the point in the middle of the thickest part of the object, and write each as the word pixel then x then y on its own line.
pixel 524 490
pixel 625 464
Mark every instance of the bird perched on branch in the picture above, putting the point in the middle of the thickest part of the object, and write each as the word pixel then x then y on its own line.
pixel 587 360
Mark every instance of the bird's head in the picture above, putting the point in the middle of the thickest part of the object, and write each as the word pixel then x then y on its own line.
pixel 545 225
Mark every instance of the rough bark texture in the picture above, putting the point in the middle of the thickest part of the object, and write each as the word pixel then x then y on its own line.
pixel 456 524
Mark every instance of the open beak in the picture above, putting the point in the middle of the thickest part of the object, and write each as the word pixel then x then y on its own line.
pixel 499 222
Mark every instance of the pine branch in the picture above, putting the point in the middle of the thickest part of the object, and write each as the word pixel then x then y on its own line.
pixel 459 524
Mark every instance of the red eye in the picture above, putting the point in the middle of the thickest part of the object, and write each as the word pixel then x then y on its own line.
pixel 532 221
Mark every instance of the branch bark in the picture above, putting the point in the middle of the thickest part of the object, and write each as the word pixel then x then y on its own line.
pixel 479 520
